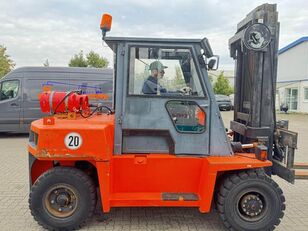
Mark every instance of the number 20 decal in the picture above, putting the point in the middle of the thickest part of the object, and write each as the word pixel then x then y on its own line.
pixel 73 140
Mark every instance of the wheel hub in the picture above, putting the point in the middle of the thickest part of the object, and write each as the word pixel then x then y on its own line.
pixel 251 205
pixel 61 201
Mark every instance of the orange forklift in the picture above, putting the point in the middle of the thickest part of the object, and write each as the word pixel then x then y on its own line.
pixel 164 143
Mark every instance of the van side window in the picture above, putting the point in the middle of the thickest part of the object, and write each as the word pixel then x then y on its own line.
pixel 9 89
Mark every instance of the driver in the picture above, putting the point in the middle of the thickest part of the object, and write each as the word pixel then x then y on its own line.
pixel 151 85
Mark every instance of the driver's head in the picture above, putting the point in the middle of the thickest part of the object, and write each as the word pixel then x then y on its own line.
pixel 157 69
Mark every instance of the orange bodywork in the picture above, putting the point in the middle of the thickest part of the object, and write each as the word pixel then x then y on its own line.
pixel 133 179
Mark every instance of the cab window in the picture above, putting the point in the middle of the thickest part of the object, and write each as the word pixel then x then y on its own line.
pixel 9 89
pixel 187 116
pixel 163 71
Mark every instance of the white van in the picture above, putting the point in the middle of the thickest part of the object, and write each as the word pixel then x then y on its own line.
pixel 19 91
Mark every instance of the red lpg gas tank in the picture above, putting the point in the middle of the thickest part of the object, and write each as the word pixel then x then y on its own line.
pixel 59 102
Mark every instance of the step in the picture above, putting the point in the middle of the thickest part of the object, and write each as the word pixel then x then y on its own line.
pixel 180 196
pixel 154 199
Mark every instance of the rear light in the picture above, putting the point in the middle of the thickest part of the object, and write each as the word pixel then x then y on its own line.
pixel 261 152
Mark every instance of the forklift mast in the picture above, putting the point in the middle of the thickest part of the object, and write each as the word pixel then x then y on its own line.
pixel 254 47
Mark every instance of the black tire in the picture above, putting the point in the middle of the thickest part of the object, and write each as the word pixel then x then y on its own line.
pixel 249 201
pixel 63 198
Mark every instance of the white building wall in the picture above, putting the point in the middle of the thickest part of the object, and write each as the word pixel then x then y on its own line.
pixel 292 73
pixel 281 95
pixel 293 63
pixel 303 103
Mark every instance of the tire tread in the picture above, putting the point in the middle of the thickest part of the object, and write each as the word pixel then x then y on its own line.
pixel 232 180
pixel 88 182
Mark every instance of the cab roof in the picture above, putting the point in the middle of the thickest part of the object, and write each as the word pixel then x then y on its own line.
pixel 204 42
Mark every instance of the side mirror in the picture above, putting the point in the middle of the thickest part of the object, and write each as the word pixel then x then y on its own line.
pixel 213 63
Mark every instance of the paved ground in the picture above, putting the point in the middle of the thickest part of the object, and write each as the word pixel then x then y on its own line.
pixel 15 215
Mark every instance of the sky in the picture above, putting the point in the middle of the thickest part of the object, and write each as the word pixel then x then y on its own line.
pixel 36 30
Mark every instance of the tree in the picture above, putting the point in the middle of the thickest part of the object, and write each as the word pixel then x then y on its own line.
pixel 6 64
pixel 92 59
pixel 46 64
pixel 78 60
pixel 222 85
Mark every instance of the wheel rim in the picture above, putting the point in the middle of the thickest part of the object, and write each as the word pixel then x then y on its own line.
pixel 61 201
pixel 252 206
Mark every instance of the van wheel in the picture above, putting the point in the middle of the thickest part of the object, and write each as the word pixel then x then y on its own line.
pixel 63 198
pixel 250 200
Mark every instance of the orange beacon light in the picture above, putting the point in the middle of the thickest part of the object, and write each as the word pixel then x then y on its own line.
pixel 106 22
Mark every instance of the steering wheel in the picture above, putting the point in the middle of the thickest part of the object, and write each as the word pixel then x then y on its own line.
pixel 186 91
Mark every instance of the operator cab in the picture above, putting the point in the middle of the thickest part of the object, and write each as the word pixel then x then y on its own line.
pixel 164 101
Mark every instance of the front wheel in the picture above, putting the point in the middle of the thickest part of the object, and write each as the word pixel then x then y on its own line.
pixel 249 201
pixel 63 198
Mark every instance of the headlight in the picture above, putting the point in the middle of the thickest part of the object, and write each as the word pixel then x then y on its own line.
pixel 33 139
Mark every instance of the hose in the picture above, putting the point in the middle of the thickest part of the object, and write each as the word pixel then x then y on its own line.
pixel 99 107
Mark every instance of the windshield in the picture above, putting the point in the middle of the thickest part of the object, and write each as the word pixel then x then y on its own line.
pixel 163 71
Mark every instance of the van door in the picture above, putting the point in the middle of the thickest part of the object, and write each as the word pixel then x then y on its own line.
pixel 10 105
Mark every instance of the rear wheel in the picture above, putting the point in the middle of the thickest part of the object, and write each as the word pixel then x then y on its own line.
pixel 63 198
pixel 250 200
